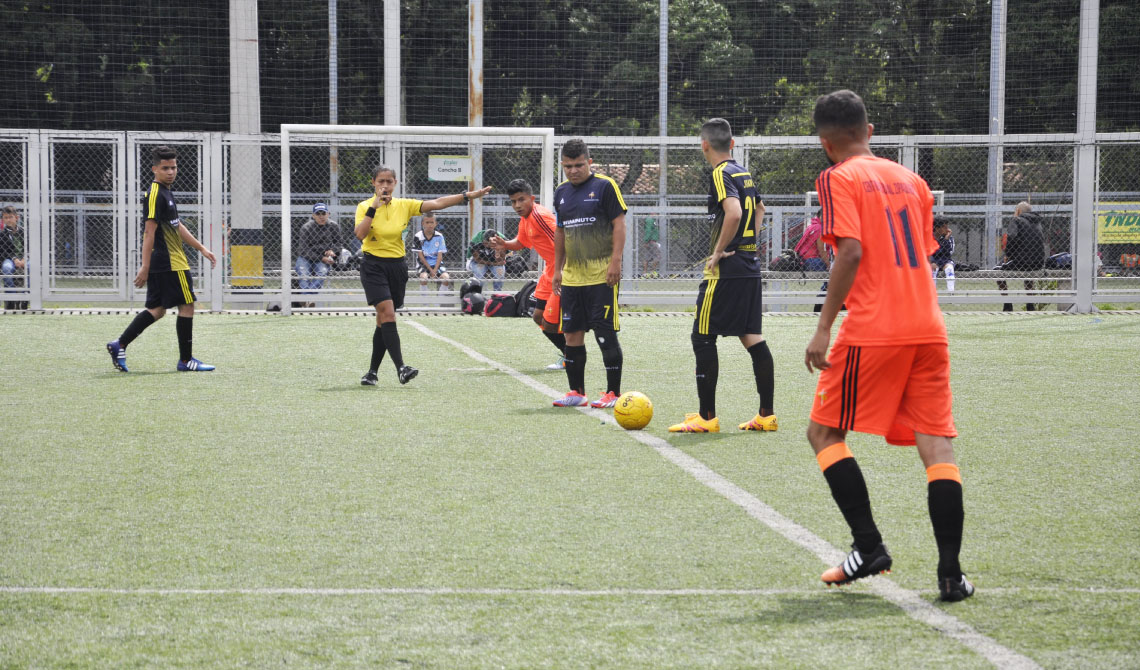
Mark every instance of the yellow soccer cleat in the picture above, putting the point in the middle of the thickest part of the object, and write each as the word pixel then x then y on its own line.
pixel 760 423
pixel 693 423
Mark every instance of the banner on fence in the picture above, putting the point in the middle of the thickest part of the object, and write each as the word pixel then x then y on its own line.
pixel 1119 226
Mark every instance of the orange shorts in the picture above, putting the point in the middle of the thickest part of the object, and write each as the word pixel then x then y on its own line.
pixel 889 391
pixel 552 313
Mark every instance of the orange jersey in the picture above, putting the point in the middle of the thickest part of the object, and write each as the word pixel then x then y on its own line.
pixel 537 232
pixel 889 209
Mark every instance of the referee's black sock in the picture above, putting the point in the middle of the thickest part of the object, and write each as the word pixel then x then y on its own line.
pixel 708 370
pixel 576 367
pixel 558 340
pixel 184 326
pixel 140 323
pixel 392 342
pixel 378 349
pixel 764 369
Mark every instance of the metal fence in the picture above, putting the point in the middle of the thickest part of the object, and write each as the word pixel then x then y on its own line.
pixel 79 198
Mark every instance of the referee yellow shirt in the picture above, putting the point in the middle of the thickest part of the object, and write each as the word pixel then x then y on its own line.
pixel 386 237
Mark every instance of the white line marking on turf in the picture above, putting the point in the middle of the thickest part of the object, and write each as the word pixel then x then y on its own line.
pixel 909 601
pixel 425 591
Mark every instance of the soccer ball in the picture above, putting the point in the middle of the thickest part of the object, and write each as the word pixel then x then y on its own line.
pixel 633 410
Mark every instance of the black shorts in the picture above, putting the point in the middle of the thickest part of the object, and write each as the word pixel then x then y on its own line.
pixel 730 307
pixel 589 307
pixel 384 279
pixel 423 269
pixel 169 289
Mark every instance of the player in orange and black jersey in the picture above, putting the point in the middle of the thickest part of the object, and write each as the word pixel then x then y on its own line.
pixel 165 271
pixel 889 370
pixel 730 299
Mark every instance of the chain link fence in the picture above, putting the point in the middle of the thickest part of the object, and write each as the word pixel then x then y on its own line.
pixel 79 199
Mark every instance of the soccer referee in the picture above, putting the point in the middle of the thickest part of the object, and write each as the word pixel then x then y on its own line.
pixel 380 224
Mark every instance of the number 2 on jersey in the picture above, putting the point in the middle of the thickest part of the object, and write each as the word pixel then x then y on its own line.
pixel 750 212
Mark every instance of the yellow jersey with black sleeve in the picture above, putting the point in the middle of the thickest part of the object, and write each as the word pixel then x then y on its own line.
pixel 167 254
pixel 586 214
pixel 386 237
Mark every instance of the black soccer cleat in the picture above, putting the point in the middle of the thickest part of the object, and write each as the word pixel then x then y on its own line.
pixel 407 374
pixel 369 378
pixel 952 590
pixel 858 565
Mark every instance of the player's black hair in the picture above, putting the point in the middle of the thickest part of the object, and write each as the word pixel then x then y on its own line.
pixel 718 132
pixel 9 210
pixel 162 153
pixel 383 168
pixel 840 110
pixel 519 186
pixel 575 148
pixel 940 221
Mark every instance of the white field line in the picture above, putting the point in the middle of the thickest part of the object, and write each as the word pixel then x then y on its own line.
pixel 909 601
pixel 425 591
pixel 447 591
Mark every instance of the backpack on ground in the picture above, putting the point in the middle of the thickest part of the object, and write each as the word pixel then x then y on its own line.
pixel 524 299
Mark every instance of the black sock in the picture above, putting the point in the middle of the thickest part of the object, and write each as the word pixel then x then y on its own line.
pixel 378 350
pixel 140 323
pixel 708 371
pixel 612 359
pixel 558 340
pixel 184 326
pixel 576 368
pixel 392 342
pixel 944 499
pixel 764 370
pixel 849 490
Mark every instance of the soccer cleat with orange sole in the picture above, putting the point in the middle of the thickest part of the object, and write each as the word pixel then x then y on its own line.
pixel 760 423
pixel 693 423
pixel 858 565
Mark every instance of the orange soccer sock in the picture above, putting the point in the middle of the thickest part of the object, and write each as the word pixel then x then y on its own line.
pixel 947 515
pixel 849 490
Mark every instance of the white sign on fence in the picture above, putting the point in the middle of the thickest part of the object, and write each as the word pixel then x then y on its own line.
pixel 449 168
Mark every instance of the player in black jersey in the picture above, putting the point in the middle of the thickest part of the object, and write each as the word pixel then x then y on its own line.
pixel 730 299
pixel 165 270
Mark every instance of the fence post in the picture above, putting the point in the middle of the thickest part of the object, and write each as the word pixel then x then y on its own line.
pixel 1084 175
pixel 35 221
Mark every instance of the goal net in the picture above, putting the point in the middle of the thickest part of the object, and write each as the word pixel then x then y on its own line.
pixel 334 165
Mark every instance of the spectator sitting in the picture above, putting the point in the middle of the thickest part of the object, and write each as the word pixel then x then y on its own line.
pixel 1024 248
pixel 485 258
pixel 810 247
pixel 941 260
pixel 11 253
pixel 429 248
pixel 320 245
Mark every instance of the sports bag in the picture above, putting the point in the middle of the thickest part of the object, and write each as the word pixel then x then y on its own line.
pixel 500 304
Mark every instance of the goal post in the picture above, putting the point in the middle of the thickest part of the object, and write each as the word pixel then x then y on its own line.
pixel 338 160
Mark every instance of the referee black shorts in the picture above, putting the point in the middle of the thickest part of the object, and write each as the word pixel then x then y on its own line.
pixel 169 289
pixel 589 307
pixel 730 307
pixel 384 279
